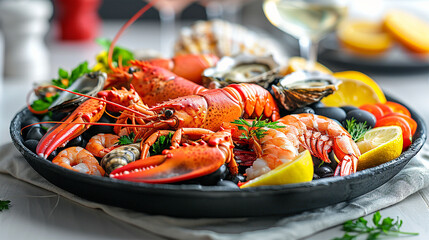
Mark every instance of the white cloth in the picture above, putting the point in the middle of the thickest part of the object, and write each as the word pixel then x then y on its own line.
pixel 412 178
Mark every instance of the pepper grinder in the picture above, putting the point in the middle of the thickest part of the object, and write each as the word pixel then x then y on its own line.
pixel 25 24
pixel 78 20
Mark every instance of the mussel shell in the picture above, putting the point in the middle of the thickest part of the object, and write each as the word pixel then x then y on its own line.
pixel 302 88
pixel 241 69
pixel 89 84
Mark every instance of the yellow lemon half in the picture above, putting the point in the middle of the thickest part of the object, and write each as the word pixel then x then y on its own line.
pixel 299 63
pixel 296 171
pixel 355 89
pixel 379 145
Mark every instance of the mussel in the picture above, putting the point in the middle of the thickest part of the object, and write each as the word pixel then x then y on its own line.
pixel 241 69
pixel 302 88
pixel 89 84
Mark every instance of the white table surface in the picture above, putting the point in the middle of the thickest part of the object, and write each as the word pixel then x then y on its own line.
pixel 40 214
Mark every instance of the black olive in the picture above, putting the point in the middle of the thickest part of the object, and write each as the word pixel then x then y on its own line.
pixel 53 154
pixel 96 129
pixel 237 178
pixel 349 108
pixel 303 110
pixel 31 144
pixel 75 142
pixel 227 184
pixel 324 171
pixel 362 116
pixel 315 176
pixel 35 133
pixel 210 179
pixel 316 161
pixel 331 112
pixel 334 162
pixel 27 122
pixel 47 118
pixel 317 105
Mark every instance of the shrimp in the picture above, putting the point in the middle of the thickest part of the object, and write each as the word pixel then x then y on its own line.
pixel 276 147
pixel 101 144
pixel 320 135
pixel 315 133
pixel 80 160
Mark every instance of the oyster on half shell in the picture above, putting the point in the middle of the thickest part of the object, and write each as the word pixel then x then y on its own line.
pixel 241 69
pixel 302 88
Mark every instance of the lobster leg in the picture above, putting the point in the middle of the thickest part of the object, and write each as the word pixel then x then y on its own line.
pixel 90 111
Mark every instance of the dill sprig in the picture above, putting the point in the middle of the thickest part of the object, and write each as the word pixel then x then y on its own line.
pixel 255 129
pixel 356 130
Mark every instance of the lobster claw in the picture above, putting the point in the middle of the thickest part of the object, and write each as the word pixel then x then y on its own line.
pixel 89 111
pixel 174 165
pixel 183 162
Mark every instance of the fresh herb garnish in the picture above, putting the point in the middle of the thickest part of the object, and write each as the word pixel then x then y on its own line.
pixel 255 128
pixel 126 140
pixel 162 143
pixel 118 52
pixel 356 130
pixel 387 227
pixel 64 81
pixel 4 204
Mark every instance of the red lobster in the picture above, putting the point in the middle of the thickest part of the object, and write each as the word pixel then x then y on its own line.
pixel 183 161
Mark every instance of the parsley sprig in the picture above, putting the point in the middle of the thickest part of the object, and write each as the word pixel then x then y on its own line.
pixel 126 140
pixel 255 129
pixel 356 130
pixel 386 227
pixel 162 143
pixel 63 81
pixel 125 54
pixel 4 204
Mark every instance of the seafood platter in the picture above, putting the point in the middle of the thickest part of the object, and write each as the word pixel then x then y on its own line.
pixel 215 131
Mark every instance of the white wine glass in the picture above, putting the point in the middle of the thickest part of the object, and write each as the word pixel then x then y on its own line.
pixel 169 11
pixel 228 10
pixel 307 20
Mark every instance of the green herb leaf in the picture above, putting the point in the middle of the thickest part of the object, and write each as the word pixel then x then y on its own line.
pixel 163 142
pixel 255 129
pixel 356 130
pixel 387 227
pixel 126 140
pixel 63 73
pixel 44 103
pixel 4 204
pixel 126 55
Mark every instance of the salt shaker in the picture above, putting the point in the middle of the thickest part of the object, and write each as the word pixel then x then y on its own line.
pixel 25 24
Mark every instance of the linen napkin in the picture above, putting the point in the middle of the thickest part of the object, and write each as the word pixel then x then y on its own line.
pixel 411 179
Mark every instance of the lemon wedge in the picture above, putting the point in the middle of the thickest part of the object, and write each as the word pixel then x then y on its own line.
pixel 296 171
pixel 379 145
pixel 355 89
pixel 299 63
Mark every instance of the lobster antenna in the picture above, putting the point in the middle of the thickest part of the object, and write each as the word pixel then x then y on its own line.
pixel 125 26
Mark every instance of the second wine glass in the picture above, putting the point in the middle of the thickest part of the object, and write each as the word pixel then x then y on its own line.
pixel 307 20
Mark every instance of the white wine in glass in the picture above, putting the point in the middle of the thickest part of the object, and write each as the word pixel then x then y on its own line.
pixel 307 20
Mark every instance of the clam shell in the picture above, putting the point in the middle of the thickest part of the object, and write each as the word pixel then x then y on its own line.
pixel 302 88
pixel 89 84
pixel 241 69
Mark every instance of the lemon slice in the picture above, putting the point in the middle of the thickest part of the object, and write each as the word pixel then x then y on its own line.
pixel 409 30
pixel 380 145
pixel 299 63
pixel 365 37
pixel 296 171
pixel 356 89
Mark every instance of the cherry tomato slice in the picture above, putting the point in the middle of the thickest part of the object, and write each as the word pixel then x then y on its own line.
pixel 397 121
pixel 411 122
pixel 374 109
pixel 386 109
pixel 398 108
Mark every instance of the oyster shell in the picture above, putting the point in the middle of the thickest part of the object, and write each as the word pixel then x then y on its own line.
pixel 302 88
pixel 89 84
pixel 223 38
pixel 241 69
